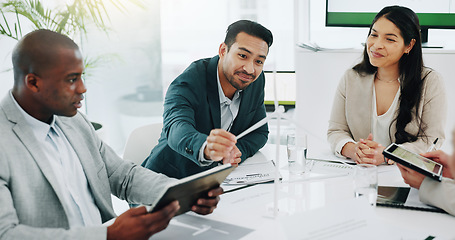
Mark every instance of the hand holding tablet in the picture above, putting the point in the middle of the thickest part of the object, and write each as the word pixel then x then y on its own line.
pixel 188 190
pixel 414 161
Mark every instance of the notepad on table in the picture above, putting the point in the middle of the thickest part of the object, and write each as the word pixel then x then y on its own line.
pixel 252 173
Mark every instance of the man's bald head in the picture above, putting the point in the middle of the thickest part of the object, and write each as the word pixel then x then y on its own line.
pixel 37 52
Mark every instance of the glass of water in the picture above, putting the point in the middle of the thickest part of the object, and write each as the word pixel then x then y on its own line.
pixel 366 182
pixel 297 150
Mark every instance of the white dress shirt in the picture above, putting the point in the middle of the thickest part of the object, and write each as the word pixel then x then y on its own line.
pixel 77 196
pixel 229 110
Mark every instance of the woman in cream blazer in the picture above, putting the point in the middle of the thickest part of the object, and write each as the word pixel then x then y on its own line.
pixel 390 96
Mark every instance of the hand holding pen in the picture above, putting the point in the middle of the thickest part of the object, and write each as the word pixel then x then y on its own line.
pixel 433 145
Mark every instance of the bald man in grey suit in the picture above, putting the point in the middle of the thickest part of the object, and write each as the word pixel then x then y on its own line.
pixel 56 175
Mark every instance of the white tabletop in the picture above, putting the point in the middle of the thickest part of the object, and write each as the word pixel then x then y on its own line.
pixel 253 207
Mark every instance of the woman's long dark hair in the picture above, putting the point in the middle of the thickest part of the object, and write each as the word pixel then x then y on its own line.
pixel 410 67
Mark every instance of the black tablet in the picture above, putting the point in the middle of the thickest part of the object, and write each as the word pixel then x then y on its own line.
pixel 188 190
pixel 414 161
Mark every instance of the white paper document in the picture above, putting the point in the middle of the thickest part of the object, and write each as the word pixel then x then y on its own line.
pixel 256 169
pixel 252 173
pixel 352 219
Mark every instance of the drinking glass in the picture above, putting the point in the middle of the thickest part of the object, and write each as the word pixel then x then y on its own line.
pixel 366 182
pixel 297 150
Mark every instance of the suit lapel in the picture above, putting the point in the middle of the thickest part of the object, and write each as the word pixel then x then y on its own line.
pixel 78 143
pixel 26 136
pixel 362 109
pixel 368 105
pixel 34 148
pixel 212 92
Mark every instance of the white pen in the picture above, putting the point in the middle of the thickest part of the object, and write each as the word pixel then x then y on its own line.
pixel 254 127
pixel 432 147
pixel 260 123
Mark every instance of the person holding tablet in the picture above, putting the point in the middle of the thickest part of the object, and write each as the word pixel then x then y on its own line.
pixel 439 194
pixel 389 96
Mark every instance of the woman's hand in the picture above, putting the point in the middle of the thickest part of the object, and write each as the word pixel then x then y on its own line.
pixel 369 151
pixel 364 151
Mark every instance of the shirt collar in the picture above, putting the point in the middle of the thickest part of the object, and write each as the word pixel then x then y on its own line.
pixel 222 97
pixel 40 129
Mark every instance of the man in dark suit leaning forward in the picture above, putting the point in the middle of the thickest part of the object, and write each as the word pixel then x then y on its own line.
pixel 213 100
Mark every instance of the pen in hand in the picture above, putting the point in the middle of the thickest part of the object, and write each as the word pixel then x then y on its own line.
pixel 432 147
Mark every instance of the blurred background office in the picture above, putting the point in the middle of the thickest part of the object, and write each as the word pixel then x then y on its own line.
pixel 147 45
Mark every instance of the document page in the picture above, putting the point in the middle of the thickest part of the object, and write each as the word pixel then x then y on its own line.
pixel 256 169
pixel 353 219
pixel 252 173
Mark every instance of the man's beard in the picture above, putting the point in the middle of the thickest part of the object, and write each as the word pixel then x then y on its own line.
pixel 235 84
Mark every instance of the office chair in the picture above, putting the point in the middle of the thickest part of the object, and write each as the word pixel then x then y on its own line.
pixel 141 141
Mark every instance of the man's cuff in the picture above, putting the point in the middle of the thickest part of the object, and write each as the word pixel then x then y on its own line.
pixel 202 160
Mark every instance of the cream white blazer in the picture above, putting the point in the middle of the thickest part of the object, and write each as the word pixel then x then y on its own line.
pixel 352 110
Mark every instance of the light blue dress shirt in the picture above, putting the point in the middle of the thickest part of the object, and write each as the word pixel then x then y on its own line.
pixel 77 196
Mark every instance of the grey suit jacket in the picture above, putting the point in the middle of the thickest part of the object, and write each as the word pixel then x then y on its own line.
pixel 352 111
pixel 30 200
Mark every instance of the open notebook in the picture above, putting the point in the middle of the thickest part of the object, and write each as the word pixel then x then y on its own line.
pixel 252 173
pixel 256 169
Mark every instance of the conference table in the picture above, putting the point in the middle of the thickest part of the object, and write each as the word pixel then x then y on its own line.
pixel 318 204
